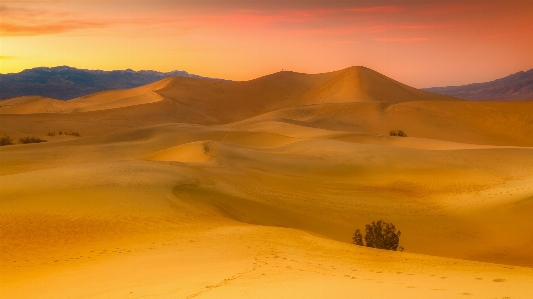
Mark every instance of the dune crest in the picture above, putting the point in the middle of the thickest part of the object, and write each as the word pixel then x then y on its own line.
pixel 99 101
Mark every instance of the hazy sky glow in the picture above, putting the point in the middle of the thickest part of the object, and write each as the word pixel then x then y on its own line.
pixel 421 43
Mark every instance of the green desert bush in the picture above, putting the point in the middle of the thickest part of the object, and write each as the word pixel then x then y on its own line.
pixel 399 133
pixel 379 234
pixel 6 140
pixel 31 139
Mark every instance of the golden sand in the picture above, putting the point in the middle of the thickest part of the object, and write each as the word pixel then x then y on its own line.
pixel 192 188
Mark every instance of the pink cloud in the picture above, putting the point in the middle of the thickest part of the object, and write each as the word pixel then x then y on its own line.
pixel 332 21
pixel 388 9
pixel 23 21
pixel 451 8
pixel 494 36
pixel 427 26
pixel 13 29
pixel 401 39
pixel 19 21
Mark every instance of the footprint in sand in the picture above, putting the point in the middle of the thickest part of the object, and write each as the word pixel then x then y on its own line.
pixel 499 280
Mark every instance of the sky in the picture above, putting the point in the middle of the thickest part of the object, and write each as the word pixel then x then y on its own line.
pixel 420 43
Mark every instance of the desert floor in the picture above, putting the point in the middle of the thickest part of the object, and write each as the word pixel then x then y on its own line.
pixel 190 188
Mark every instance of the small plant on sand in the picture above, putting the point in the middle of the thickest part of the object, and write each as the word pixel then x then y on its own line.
pixel 379 234
pixel 6 140
pixel 399 133
pixel 31 139
pixel 76 134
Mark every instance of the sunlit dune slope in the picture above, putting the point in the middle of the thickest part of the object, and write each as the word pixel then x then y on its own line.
pixel 482 123
pixel 99 101
pixel 185 228
pixel 190 152
pixel 30 104
pixel 458 121
pixel 288 89
pixel 327 183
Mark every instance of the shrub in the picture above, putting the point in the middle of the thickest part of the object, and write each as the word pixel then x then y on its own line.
pixel 76 134
pixel 31 139
pixel 399 133
pixel 379 234
pixel 6 140
pixel 357 238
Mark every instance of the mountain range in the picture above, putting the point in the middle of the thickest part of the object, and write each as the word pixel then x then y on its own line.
pixel 65 83
pixel 515 87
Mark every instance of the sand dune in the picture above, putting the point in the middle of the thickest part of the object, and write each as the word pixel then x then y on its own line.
pixel 30 104
pixel 189 152
pixel 300 131
pixel 98 101
pixel 188 188
pixel 118 98
pixel 484 123
pixel 272 92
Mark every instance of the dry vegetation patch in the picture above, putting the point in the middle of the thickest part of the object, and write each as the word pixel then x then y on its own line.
pixel 398 133
pixel 379 234
pixel 31 139
pixel 6 140
pixel 71 133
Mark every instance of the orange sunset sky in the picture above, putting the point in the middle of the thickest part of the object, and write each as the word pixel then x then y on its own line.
pixel 421 43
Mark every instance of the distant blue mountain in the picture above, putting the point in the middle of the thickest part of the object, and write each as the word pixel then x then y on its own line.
pixel 515 87
pixel 64 82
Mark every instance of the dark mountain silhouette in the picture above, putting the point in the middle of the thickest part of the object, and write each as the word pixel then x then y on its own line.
pixel 66 83
pixel 516 87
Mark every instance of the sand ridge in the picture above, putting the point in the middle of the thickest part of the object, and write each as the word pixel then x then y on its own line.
pixel 94 102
